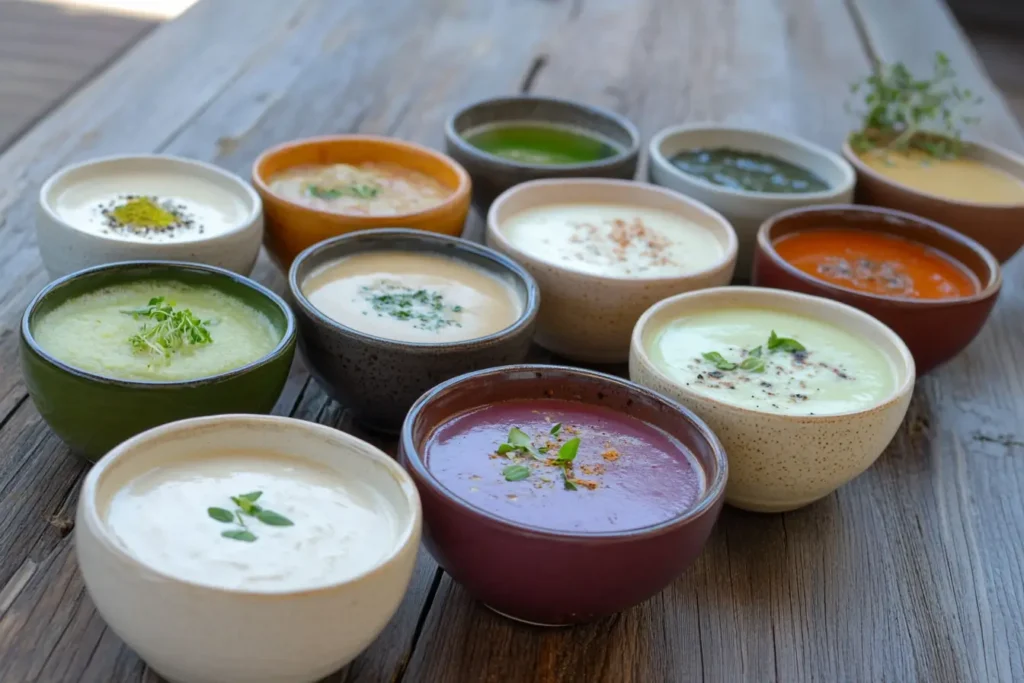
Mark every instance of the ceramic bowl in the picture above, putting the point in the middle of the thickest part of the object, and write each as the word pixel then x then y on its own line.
pixel 195 633
pixel 782 462
pixel 588 317
pixel 292 227
pixel 93 413
pixel 997 227
pixel 378 378
pixel 66 248
pixel 492 174
pixel 934 329
pixel 747 210
pixel 550 577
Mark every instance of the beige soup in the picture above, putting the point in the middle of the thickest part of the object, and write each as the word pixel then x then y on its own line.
pixel 960 179
pixel 412 297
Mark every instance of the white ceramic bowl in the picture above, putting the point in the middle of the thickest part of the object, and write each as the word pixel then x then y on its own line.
pixel 588 317
pixel 747 210
pixel 191 633
pixel 66 249
pixel 782 462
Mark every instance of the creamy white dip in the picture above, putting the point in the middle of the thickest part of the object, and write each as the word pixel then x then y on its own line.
pixel 615 240
pixel 205 209
pixel 340 527
pixel 837 373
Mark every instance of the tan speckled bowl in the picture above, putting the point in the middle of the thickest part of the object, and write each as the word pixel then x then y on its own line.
pixel 782 462
pixel 588 317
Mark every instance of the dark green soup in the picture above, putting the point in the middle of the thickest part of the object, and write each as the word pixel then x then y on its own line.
pixel 539 143
pixel 749 171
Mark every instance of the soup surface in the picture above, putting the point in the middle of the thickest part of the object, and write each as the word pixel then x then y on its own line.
pixel 366 189
pixel 538 143
pixel 413 297
pixel 150 207
pixel 119 332
pixel 747 171
pixel 961 178
pixel 773 361
pixel 565 466
pixel 877 263
pixel 257 521
pixel 616 240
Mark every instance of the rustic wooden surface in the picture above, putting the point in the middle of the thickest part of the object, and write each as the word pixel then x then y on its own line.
pixel 913 572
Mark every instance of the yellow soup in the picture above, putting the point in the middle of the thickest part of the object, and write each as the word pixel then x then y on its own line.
pixel 961 179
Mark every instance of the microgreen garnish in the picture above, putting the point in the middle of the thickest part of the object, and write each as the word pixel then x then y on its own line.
pixel 171 330
pixel 567 453
pixel 777 343
pixel 719 361
pixel 517 438
pixel 519 442
pixel 359 190
pixel 897 107
pixel 247 507
pixel 426 309
pixel 555 429
pixel 567 482
pixel 516 472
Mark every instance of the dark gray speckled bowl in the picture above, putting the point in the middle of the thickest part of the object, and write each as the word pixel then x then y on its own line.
pixel 378 379
pixel 492 174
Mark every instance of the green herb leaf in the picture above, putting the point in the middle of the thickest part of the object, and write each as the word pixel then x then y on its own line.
pixel 246 504
pixel 557 428
pixel 567 482
pixel 534 453
pixel 753 364
pixel 516 472
pixel 754 352
pixel 567 453
pixel 719 360
pixel 252 497
pixel 239 535
pixel 221 515
pixel 777 343
pixel 505 448
pixel 273 519
pixel 324 192
pixel 518 438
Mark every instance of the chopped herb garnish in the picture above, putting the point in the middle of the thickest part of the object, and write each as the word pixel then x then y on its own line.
pixel 555 429
pixel 752 363
pixel 171 330
pixel 426 309
pixel 359 190
pixel 247 506
pixel 777 343
pixel 516 472
pixel 719 361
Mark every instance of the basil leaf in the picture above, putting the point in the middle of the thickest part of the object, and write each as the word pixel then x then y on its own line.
pixel 239 535
pixel 220 514
pixel 518 438
pixel 719 360
pixel 557 428
pixel 516 472
pixel 753 364
pixel 754 352
pixel 505 448
pixel 273 519
pixel 776 342
pixel 567 453
pixel 252 497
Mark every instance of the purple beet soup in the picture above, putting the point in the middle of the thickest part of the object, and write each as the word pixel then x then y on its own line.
pixel 564 466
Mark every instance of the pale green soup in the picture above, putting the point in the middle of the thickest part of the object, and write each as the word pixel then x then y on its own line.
pixel 92 332
pixel 836 372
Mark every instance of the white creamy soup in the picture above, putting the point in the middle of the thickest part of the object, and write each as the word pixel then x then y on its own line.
pixel 150 206
pixel 616 240
pixel 411 297
pixel 773 361
pixel 254 521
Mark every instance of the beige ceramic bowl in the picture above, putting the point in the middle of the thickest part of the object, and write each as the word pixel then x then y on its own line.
pixel 587 317
pixel 192 633
pixel 782 462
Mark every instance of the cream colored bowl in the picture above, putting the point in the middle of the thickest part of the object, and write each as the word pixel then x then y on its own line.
pixel 588 317
pixel 782 462
pixel 192 633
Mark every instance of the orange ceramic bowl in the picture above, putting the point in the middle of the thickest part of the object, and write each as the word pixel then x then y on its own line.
pixel 291 227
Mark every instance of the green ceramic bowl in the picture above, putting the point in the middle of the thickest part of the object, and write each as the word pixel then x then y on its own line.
pixel 92 413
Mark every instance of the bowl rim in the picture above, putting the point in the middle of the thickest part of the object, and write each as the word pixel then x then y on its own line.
pixel 989 148
pixel 459 195
pixel 638 350
pixel 713 492
pixel 531 302
pixel 723 226
pixel 344 440
pixel 989 289
pixel 658 158
pixel 253 200
pixel 456 138
pixel 282 347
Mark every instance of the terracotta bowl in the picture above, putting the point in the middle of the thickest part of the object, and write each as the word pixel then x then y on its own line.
pixel 291 227
pixel 546 577
pixel 781 462
pixel 589 317
pixel 998 227
pixel 378 378
pixel 492 174
pixel 935 330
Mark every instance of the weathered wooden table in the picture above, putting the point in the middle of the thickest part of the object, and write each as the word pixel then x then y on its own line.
pixel 913 572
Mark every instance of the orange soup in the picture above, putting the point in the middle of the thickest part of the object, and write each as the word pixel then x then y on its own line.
pixel 877 263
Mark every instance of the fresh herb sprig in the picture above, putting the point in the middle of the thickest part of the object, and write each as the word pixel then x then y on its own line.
pixel 519 442
pixel 247 507
pixel 754 360
pixel 170 330
pixel 900 112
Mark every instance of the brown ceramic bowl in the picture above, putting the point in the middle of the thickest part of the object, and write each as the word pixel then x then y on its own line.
pixel 292 227
pixel 548 577
pixel 935 330
pixel 998 227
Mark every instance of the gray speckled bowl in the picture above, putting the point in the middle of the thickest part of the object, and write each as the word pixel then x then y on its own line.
pixel 492 174
pixel 378 379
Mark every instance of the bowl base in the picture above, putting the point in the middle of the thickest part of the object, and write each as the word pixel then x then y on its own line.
pixel 771 506
pixel 523 621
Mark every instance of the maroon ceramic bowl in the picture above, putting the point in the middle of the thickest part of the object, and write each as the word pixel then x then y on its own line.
pixel 549 577
pixel 935 330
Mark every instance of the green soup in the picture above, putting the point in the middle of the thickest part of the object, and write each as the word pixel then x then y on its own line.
pixel 539 143
pixel 747 171
pixel 115 332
